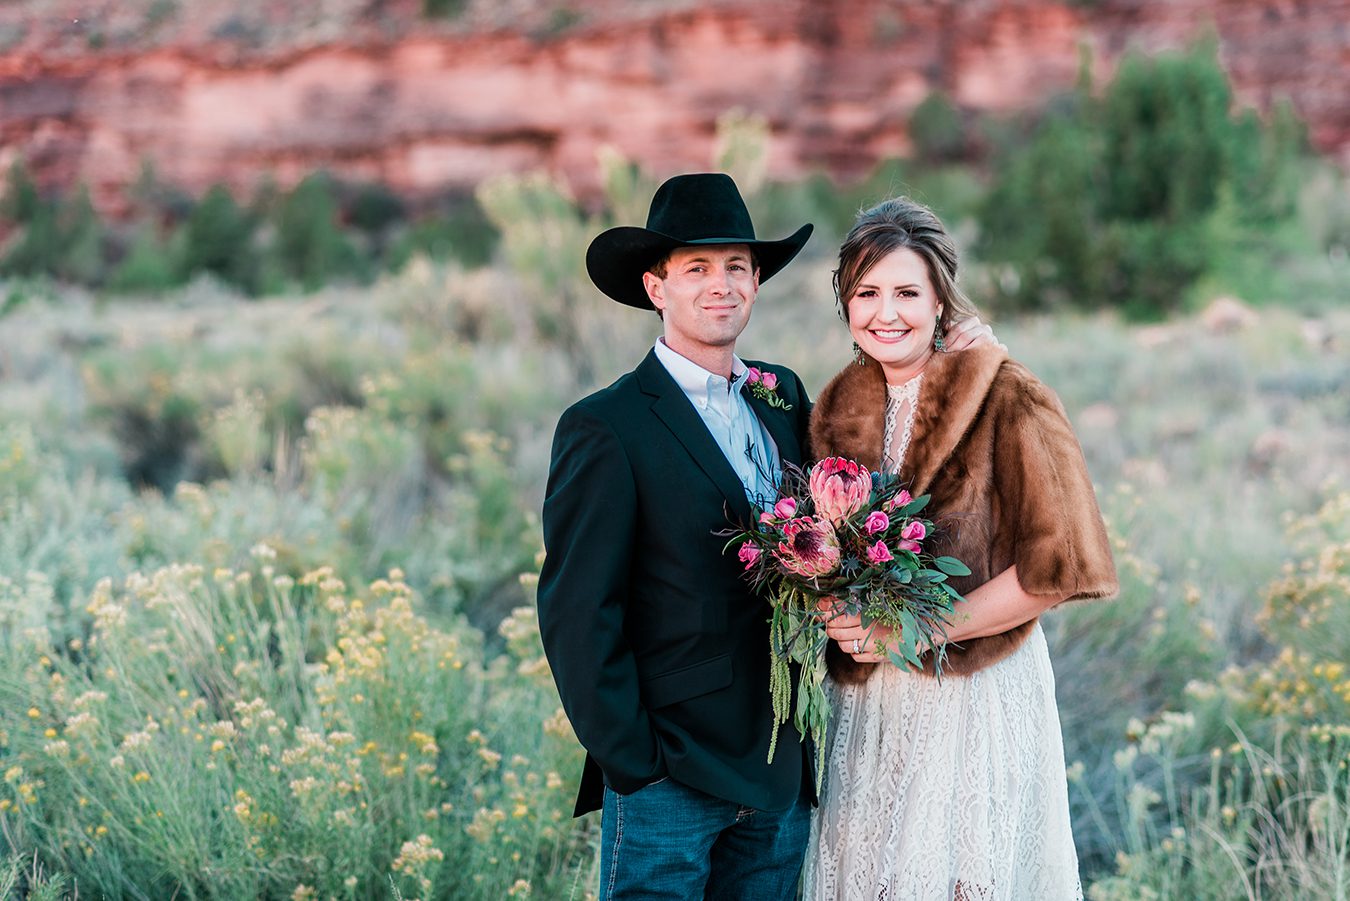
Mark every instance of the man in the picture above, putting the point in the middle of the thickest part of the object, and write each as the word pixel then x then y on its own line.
pixel 659 648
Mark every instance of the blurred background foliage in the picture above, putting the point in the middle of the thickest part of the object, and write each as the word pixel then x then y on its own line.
pixel 270 470
pixel 1146 195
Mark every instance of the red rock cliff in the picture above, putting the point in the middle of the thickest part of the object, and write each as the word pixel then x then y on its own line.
pixel 439 110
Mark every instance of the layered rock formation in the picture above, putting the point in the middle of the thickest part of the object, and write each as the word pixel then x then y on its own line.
pixel 441 110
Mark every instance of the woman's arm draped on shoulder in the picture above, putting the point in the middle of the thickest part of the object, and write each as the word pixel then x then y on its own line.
pixel 589 518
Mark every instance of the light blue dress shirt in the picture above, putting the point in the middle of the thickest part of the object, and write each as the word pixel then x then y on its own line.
pixel 744 441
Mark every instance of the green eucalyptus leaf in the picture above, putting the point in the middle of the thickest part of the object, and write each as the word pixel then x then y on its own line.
pixel 915 505
pixel 951 566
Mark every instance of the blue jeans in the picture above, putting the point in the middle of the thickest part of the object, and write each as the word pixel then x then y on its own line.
pixel 670 841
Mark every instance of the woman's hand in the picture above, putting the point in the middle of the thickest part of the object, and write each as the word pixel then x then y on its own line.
pixel 968 333
pixel 864 645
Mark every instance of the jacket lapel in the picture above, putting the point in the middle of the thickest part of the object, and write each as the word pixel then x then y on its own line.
pixel 672 407
pixel 776 421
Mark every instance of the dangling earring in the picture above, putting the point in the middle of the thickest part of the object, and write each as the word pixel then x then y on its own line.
pixel 858 358
pixel 938 344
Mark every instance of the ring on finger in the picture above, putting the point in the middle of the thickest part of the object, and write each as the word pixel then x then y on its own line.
pixel 857 648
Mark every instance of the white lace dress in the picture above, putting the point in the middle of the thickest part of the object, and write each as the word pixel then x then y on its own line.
pixel 944 791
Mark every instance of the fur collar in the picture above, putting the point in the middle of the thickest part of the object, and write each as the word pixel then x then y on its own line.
pixel 849 416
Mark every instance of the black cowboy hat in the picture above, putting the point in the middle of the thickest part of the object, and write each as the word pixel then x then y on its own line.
pixel 687 210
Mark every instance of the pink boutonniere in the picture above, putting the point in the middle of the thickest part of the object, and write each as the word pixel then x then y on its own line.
pixel 764 385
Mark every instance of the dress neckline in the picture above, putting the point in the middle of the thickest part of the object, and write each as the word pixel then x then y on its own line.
pixel 897 396
pixel 906 387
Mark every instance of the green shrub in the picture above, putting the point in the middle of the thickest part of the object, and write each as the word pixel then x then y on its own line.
pixel 246 734
pixel 58 237
pixel 444 9
pixel 149 266
pixel 1246 793
pixel 1128 200
pixel 310 244
pixel 937 130
pixel 218 238
pixel 460 230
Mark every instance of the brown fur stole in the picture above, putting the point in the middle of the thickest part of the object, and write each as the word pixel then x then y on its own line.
pixel 993 447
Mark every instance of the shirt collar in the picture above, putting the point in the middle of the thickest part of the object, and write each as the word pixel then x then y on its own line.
pixel 692 378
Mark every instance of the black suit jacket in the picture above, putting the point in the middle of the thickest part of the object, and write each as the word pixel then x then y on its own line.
pixel 658 646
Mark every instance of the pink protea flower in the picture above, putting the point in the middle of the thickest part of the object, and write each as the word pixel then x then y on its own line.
pixel 839 487
pixel 879 553
pixel 748 554
pixel 876 522
pixel 915 531
pixel 809 547
pixel 899 500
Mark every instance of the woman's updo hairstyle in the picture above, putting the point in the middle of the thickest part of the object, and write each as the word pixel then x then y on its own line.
pixel 888 226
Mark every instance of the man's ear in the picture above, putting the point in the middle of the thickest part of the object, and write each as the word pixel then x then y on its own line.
pixel 655 290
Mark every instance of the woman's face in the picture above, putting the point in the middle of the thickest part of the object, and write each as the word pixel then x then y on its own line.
pixel 893 313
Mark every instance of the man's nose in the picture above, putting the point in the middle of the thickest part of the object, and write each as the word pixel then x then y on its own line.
pixel 721 283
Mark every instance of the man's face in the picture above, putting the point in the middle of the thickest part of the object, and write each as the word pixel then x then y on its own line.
pixel 706 296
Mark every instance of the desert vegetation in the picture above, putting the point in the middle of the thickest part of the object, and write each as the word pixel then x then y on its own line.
pixel 267 548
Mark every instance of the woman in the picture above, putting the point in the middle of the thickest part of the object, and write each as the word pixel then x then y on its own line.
pixel 951 789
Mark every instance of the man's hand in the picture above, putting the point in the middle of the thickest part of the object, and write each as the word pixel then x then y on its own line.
pixel 969 333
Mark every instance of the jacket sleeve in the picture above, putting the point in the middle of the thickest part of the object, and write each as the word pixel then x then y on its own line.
pixel 1049 518
pixel 589 519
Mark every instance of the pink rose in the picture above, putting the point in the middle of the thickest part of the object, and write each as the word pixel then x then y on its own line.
pixel 810 547
pixel 839 487
pixel 786 508
pixel 879 553
pixel 766 517
pixel 748 554
pixel 770 380
pixel 900 500
pixel 914 531
pixel 876 522
pixel 754 375
pixel 911 546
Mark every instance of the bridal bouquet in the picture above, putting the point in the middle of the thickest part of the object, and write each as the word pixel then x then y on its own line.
pixel 855 537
